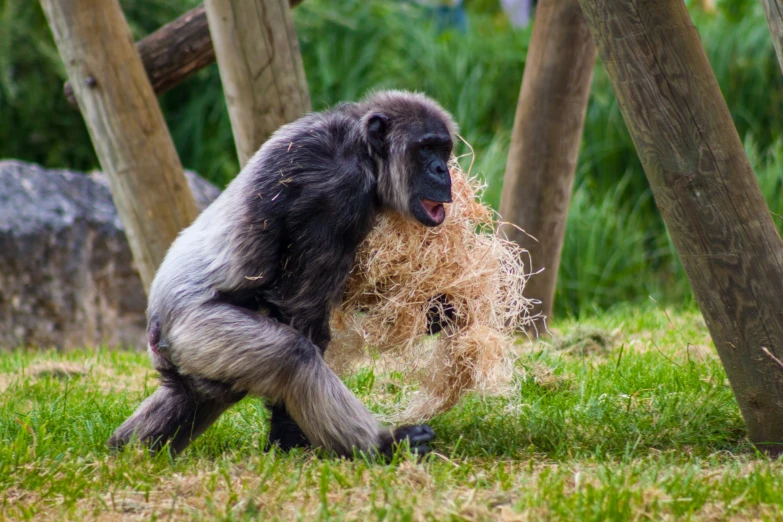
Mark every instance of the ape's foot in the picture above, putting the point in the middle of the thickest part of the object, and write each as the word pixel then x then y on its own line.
pixel 284 432
pixel 416 436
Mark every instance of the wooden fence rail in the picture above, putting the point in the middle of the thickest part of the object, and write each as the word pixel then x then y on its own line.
pixel 174 52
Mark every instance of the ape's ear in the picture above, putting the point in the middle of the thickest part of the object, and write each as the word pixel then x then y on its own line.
pixel 377 126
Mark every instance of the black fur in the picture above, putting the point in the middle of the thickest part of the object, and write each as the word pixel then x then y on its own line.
pixel 241 303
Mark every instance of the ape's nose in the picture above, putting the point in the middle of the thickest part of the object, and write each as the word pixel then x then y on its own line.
pixel 438 167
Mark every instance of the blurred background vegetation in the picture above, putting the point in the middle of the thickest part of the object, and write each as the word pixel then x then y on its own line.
pixel 616 247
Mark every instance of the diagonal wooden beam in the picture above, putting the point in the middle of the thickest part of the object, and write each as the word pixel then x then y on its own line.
pixel 545 143
pixel 126 126
pixel 175 52
pixel 706 191
pixel 774 11
pixel 260 68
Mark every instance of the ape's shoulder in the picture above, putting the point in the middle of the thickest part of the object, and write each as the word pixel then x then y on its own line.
pixel 317 137
pixel 320 151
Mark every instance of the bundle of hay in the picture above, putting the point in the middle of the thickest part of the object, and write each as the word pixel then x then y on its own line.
pixel 460 278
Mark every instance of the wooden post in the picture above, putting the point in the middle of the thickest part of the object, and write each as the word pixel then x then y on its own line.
pixel 260 67
pixel 545 141
pixel 704 186
pixel 125 123
pixel 774 11
pixel 174 52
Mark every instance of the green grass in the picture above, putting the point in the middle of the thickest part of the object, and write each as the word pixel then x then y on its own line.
pixel 625 417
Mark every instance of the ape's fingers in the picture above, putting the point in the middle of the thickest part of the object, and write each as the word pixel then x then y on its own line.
pixel 416 434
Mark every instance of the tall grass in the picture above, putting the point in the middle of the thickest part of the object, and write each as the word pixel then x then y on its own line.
pixel 616 245
pixel 768 166
pixel 610 233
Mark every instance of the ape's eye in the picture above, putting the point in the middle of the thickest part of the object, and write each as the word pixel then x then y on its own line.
pixel 426 147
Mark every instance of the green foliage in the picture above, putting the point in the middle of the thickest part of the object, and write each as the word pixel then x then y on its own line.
pixel 768 166
pixel 616 248
pixel 608 247
pixel 37 122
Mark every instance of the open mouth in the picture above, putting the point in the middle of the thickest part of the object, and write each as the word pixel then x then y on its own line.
pixel 434 210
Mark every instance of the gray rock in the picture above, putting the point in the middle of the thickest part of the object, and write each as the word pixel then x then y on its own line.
pixel 67 277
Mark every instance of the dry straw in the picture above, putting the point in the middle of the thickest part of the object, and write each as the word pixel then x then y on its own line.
pixel 463 275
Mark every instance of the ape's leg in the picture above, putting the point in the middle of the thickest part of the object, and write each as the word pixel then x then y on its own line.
pixel 283 431
pixel 179 411
pixel 261 356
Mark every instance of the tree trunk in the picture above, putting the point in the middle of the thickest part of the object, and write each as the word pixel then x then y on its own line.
pixel 705 188
pixel 545 142
pixel 260 67
pixel 175 52
pixel 774 11
pixel 126 125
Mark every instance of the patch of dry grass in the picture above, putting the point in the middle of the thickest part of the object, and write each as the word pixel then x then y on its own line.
pixel 309 489
pixel 102 373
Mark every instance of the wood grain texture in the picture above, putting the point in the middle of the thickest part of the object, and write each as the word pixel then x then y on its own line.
pixel 260 68
pixel 174 52
pixel 706 191
pixel 774 11
pixel 125 124
pixel 545 142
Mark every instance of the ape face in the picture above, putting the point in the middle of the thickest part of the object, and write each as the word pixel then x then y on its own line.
pixel 414 148
pixel 430 181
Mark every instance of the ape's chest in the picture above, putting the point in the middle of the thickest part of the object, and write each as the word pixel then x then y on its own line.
pixel 318 265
